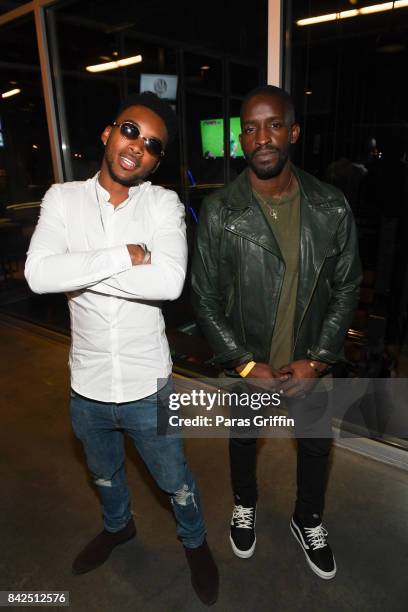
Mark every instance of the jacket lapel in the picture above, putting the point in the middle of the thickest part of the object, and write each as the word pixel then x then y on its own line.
pixel 320 215
pixel 246 218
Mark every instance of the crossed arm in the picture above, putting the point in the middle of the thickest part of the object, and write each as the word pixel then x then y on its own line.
pixel 118 271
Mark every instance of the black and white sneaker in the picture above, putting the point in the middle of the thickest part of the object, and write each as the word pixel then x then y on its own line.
pixel 313 541
pixel 242 534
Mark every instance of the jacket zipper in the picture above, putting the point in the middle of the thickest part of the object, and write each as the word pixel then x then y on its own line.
pixel 230 298
pixel 314 286
pixel 269 346
pixel 240 303
pixel 239 285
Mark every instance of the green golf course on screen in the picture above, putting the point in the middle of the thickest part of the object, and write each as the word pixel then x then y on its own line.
pixel 212 138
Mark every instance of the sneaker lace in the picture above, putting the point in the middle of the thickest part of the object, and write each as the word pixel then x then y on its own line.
pixel 243 517
pixel 316 536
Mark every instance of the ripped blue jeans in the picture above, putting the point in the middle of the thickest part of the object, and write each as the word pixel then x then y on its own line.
pixel 101 426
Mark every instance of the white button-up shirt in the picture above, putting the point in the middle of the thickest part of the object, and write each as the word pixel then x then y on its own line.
pixel 119 348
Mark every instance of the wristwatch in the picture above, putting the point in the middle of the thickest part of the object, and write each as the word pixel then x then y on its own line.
pixel 147 253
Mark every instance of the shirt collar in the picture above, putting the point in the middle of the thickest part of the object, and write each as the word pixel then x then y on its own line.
pixel 104 195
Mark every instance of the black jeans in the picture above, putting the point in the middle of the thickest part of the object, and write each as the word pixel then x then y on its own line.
pixel 312 462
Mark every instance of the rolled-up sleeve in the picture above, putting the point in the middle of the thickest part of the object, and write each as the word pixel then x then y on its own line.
pixel 50 268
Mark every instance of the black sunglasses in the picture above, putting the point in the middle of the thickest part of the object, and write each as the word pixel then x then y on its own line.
pixel 131 131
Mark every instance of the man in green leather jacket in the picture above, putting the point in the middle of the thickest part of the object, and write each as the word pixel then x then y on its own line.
pixel 275 279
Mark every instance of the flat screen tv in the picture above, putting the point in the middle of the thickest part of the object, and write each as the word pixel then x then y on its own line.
pixel 164 85
pixel 212 138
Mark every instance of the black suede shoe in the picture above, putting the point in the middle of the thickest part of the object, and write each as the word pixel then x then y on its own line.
pixel 98 550
pixel 204 573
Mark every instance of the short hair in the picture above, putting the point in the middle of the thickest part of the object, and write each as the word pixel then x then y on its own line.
pixel 159 106
pixel 272 90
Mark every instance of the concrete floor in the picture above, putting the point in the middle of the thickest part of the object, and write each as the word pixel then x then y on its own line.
pixel 48 511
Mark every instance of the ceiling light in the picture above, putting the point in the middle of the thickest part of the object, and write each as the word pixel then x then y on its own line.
pixel 319 19
pixel 376 8
pixel 205 67
pixel 364 10
pixel 308 92
pixel 126 61
pixel 348 14
pixel 12 92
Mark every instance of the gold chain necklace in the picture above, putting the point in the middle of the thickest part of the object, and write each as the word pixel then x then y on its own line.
pixel 272 211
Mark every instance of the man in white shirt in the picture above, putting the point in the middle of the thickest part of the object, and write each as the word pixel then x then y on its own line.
pixel 115 244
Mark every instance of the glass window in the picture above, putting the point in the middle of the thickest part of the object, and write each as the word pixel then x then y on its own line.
pixel 243 78
pixel 197 44
pixel 10 5
pixel 205 140
pixel 91 99
pixel 346 80
pixel 237 161
pixel 352 102
pixel 211 25
pixel 202 72
pixel 25 161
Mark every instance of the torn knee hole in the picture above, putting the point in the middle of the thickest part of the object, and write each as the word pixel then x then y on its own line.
pixel 184 496
pixel 102 482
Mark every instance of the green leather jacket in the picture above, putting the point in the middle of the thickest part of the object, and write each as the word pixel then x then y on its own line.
pixel 238 270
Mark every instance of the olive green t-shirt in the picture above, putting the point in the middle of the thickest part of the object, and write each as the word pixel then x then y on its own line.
pixel 283 216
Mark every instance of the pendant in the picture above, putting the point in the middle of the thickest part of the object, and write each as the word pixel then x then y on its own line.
pixel 273 213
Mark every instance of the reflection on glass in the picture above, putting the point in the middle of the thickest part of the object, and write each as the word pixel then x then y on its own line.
pixel 25 160
pixel 352 105
pixel 236 164
pixel 202 72
pixel 243 78
pixel 213 26
pixel 91 99
pixel 205 151
pixel 190 43
pixel 25 163
pixel 10 5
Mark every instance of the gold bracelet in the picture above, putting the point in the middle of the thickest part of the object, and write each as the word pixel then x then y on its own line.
pixel 249 366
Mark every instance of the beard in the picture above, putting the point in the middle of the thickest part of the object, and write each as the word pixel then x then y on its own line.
pixel 268 171
pixel 125 182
